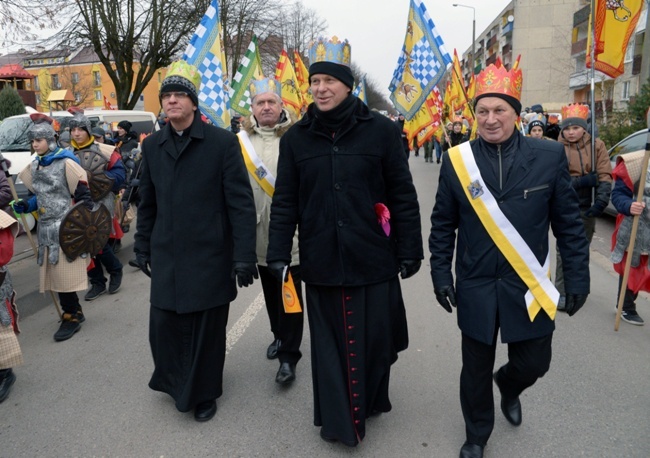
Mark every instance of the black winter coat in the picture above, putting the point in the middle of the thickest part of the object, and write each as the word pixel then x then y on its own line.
pixel 329 187
pixel 196 216
pixel 537 193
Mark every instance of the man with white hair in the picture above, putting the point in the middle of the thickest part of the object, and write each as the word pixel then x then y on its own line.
pixel 260 142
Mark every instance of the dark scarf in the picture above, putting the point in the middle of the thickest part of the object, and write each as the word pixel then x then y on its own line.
pixel 338 116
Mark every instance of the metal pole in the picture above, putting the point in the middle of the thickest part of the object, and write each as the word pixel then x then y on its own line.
pixel 473 60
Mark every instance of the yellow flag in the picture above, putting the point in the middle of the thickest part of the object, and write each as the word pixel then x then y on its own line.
pixel 614 25
pixel 285 74
pixel 302 75
pixel 290 296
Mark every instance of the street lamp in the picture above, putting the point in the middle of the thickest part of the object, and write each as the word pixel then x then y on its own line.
pixel 472 63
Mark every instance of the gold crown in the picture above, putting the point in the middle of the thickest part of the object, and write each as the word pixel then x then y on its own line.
pixel 575 110
pixel 331 50
pixel 495 79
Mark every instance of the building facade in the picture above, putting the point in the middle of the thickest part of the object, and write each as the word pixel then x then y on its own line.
pixel 81 73
pixel 551 37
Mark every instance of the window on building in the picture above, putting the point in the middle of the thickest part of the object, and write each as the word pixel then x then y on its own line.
pixel 626 91
pixel 55 82
pixel 37 85
pixel 629 52
pixel 77 97
pixel 75 78
pixel 581 63
pixel 98 95
pixel 38 99
pixel 97 80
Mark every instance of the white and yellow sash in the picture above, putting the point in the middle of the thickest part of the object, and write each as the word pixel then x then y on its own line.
pixel 542 293
pixel 258 170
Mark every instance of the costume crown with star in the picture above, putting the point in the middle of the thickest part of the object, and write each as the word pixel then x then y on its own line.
pixel 496 79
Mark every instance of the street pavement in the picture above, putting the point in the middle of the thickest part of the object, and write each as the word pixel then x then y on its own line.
pixel 88 396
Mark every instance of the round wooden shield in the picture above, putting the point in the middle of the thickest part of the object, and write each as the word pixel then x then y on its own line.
pixel 85 231
pixel 95 165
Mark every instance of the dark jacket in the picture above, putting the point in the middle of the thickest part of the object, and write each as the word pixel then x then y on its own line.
pixel 127 143
pixel 536 192
pixel 455 138
pixel 196 216
pixel 329 187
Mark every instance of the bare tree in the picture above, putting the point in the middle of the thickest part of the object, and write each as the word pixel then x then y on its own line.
pixel 149 34
pixel 20 18
pixel 300 26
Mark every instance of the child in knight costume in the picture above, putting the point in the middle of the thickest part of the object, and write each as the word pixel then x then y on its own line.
pixel 627 176
pixel 55 176
pixel 10 354
pixel 106 175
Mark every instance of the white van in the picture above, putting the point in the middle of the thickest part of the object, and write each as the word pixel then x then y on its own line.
pixel 13 131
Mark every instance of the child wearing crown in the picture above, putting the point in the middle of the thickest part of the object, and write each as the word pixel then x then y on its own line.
pixel 585 177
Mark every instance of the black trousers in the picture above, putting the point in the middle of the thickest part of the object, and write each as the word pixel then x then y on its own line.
pixel 629 304
pixel 69 302
pixel 528 360
pixel 287 327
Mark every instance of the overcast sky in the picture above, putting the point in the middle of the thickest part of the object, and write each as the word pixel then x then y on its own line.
pixel 376 28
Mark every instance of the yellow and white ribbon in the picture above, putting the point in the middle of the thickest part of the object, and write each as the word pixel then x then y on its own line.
pixel 542 294
pixel 255 166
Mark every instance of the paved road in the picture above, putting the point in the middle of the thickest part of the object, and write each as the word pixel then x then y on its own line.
pixel 89 396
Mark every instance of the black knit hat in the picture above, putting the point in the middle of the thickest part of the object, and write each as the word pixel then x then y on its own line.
pixel 340 72
pixel 177 83
pixel 514 103
pixel 535 123
pixel 126 125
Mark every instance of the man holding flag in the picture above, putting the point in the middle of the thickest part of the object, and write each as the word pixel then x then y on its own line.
pixel 500 193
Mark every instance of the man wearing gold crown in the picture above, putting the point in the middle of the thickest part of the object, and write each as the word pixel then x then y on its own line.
pixel 586 179
pixel 195 237
pixel 260 142
pixel 500 193
pixel 344 179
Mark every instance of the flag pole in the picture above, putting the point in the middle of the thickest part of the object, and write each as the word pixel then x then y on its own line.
pixel 635 227
pixel 592 54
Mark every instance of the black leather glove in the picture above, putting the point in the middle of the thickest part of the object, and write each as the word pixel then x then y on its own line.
pixel 409 267
pixel 244 272
pixel 82 194
pixel 144 262
pixel 277 268
pixel 446 296
pixel 574 302
pixel 589 180
pixel 596 209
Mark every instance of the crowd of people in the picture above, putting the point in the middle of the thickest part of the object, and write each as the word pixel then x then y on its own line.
pixel 285 206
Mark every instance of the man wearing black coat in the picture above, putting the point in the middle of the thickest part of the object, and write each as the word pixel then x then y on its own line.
pixel 499 194
pixel 195 237
pixel 344 180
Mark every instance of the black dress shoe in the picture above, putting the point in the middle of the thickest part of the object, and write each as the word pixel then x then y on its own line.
pixel 471 450
pixel 286 374
pixel 272 351
pixel 204 411
pixel 511 407
pixel 7 380
pixel 331 440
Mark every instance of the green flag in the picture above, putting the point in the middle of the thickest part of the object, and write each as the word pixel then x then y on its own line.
pixel 250 67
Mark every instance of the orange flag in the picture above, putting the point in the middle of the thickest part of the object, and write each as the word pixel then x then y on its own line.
pixel 290 296
pixel 614 26
pixel 290 93
pixel 302 75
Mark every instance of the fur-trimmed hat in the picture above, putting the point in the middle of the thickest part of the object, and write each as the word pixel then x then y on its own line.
pixel 42 128
pixel 79 119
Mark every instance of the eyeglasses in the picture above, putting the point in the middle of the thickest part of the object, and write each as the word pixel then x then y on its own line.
pixel 177 95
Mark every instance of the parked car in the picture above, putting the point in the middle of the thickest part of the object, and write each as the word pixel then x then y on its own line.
pixel 630 144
